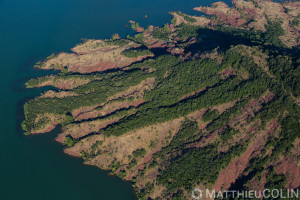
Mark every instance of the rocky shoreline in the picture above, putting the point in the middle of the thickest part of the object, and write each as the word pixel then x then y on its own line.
pixel 199 88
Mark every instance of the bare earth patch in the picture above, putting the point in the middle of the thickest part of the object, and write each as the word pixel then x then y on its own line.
pixel 120 148
pixel 45 123
pixel 93 56
pixel 61 94
pixel 256 13
pixel 82 129
pixel 62 83
pixel 136 92
pixel 238 165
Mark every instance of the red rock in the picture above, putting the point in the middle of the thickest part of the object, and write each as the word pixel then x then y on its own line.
pixel 140 29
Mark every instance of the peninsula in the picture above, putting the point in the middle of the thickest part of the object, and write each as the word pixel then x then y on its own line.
pixel 208 101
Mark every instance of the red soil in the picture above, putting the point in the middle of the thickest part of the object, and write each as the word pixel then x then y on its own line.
pixel 289 166
pixel 238 165
pixel 96 113
pixel 50 128
pixel 86 67
pixel 224 14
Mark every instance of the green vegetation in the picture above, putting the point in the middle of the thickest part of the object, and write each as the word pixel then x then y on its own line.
pixel 51 56
pixel 84 155
pixel 225 36
pixel 135 25
pixel 35 82
pixel 119 42
pixel 133 53
pixel 161 33
pixel 274 30
pixel 147 190
pixel 114 166
pixel 227 134
pixel 264 84
pixel 122 174
pixel 186 134
pixel 186 17
pixel 184 80
pixel 184 31
pixel 275 181
pixel 92 93
pixel 295 22
pixel 69 141
pixel 139 153
pixel 68 120
pixel 173 21
pixel 197 165
pixel 228 115
pixel 138 38
pixel 210 115
pixel 132 163
pixel 287 71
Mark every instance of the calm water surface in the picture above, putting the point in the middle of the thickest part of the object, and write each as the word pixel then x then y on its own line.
pixel 34 167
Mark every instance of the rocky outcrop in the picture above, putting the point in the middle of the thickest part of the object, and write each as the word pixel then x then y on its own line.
pixel 225 14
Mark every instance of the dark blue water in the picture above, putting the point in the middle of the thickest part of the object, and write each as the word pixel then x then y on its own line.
pixel 34 167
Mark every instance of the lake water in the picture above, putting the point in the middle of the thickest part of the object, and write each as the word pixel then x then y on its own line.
pixel 34 167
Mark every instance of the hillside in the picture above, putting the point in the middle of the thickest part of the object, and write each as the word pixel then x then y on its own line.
pixel 208 101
